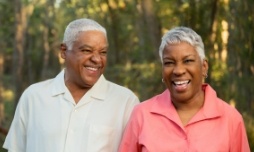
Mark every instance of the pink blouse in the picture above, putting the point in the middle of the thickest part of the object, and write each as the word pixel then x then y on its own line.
pixel 156 127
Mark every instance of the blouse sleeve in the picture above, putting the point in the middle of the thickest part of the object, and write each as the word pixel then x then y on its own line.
pixel 239 140
pixel 129 142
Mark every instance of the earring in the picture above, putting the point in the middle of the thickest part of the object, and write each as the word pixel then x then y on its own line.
pixel 206 75
pixel 162 80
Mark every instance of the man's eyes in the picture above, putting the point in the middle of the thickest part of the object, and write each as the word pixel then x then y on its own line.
pixel 88 51
pixel 103 52
pixel 188 60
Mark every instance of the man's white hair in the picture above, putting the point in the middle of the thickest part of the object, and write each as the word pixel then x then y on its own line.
pixel 75 27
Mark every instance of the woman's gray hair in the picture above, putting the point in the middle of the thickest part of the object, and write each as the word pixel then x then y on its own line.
pixel 80 25
pixel 183 34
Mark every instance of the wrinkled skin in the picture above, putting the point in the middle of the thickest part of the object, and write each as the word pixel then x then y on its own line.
pixel 183 73
pixel 85 62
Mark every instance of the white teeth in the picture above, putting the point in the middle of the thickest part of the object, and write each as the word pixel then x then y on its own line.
pixel 92 69
pixel 181 82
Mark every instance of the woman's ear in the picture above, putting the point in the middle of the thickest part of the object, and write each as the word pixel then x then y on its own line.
pixel 205 67
pixel 63 49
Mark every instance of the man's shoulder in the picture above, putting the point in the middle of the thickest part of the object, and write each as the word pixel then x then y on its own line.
pixel 36 91
pixel 119 88
pixel 38 86
pixel 116 92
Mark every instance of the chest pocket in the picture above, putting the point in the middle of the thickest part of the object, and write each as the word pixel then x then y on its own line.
pixel 101 138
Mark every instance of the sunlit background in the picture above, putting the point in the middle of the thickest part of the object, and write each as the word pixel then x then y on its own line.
pixel 32 30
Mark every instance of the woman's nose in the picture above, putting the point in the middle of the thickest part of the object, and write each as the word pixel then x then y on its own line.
pixel 179 69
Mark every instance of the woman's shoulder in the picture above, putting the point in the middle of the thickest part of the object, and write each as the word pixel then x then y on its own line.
pixel 230 110
pixel 147 104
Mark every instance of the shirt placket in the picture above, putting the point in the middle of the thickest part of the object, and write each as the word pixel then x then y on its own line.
pixel 76 127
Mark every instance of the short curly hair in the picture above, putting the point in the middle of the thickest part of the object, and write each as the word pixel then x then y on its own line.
pixel 183 34
pixel 80 25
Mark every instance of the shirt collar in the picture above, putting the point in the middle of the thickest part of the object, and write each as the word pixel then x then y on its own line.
pixel 58 85
pixel 98 91
pixel 212 105
pixel 163 106
pixel 211 108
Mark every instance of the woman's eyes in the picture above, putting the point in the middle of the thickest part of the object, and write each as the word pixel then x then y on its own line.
pixel 186 61
pixel 168 63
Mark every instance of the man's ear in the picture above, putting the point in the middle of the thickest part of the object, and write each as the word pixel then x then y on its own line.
pixel 63 49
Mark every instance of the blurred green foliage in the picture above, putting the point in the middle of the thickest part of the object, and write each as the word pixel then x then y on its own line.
pixel 134 30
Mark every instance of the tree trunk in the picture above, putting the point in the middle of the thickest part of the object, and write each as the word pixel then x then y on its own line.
pixel 114 29
pixel 2 117
pixel 21 15
pixel 18 52
pixel 152 23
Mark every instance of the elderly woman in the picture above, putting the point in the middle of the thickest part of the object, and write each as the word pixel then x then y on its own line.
pixel 188 115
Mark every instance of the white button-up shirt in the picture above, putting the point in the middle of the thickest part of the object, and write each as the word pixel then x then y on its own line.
pixel 47 119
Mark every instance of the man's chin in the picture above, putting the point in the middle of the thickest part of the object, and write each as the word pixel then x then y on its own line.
pixel 90 82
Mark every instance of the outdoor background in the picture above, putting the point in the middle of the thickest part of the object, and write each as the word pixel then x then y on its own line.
pixel 32 30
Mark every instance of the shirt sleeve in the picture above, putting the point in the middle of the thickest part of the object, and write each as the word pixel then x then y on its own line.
pixel 239 140
pixel 16 138
pixel 130 138
pixel 133 101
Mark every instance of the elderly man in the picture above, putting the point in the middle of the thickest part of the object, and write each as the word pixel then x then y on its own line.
pixel 78 110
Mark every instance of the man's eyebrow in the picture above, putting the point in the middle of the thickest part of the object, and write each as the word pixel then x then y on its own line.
pixel 88 46
pixel 190 55
pixel 84 46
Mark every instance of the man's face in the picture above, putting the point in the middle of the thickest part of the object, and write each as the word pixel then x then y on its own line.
pixel 86 61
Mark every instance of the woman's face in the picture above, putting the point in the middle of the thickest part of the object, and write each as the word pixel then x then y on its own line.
pixel 183 71
pixel 86 61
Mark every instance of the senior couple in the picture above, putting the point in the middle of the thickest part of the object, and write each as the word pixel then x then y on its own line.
pixel 81 111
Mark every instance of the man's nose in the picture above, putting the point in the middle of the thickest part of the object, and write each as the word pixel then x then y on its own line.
pixel 96 57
